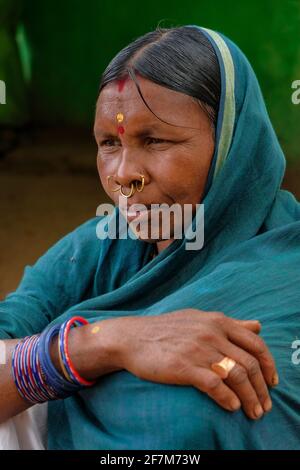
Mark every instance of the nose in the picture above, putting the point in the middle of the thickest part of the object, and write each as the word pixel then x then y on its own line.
pixel 129 173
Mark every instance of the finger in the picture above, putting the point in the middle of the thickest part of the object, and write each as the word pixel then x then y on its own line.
pixel 252 366
pixel 256 346
pixel 210 383
pixel 239 382
pixel 252 325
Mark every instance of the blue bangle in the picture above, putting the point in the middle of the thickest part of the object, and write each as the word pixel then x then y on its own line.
pixel 45 392
pixel 62 387
pixel 35 376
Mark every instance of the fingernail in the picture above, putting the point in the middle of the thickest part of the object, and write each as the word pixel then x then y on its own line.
pixel 267 404
pixel 258 411
pixel 275 379
pixel 235 404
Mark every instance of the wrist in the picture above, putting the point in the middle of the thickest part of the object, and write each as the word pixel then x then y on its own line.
pixel 103 340
pixel 95 349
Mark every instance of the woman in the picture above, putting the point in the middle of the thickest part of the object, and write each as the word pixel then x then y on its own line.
pixel 176 360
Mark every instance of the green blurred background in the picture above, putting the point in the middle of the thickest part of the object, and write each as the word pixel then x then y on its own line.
pixel 64 46
pixel 52 54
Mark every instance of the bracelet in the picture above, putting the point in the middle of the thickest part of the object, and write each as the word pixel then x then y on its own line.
pixel 36 378
pixel 61 386
pixel 67 365
pixel 19 374
pixel 66 375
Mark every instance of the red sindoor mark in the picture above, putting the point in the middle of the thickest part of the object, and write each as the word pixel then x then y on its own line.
pixel 121 84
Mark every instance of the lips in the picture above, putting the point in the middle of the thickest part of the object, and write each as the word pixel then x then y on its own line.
pixel 133 210
pixel 133 214
pixel 138 207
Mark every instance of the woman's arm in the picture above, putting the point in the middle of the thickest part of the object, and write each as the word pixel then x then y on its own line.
pixel 179 348
pixel 172 348
pixel 93 355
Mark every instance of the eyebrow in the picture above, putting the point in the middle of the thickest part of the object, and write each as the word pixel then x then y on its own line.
pixel 140 134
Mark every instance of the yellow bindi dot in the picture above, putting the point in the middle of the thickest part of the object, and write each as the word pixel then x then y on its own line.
pixel 120 117
pixel 95 329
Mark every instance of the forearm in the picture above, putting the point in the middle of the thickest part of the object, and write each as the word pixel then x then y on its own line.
pixel 11 402
pixel 93 355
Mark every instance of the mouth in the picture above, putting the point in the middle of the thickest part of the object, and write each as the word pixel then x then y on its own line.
pixel 132 213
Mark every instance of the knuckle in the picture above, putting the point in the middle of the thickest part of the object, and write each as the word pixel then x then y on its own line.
pixel 238 375
pixel 177 364
pixel 192 349
pixel 207 337
pixel 269 362
pixel 259 345
pixel 212 383
pixel 252 366
pixel 218 317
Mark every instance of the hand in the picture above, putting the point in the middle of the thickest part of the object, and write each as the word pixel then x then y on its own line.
pixel 179 348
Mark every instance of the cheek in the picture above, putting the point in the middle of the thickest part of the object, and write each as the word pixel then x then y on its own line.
pixel 183 175
pixel 98 165
pixel 196 170
pixel 104 169
pixel 107 164
pixel 100 170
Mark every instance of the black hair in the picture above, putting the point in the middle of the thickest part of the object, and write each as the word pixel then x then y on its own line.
pixel 180 58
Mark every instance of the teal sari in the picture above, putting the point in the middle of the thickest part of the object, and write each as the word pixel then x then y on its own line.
pixel 249 268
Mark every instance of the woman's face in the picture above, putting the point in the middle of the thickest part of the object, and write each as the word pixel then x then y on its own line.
pixel 174 160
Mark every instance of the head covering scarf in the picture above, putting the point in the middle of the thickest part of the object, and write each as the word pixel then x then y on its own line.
pixel 248 268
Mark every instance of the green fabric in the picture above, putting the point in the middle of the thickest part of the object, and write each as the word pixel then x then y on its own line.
pixel 248 268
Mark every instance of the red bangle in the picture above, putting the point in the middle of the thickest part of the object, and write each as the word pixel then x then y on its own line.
pixel 67 328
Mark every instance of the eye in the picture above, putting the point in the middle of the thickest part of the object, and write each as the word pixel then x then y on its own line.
pixel 153 140
pixel 109 142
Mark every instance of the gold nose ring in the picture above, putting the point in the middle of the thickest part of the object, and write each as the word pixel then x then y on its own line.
pixel 142 185
pixel 113 190
pixel 132 190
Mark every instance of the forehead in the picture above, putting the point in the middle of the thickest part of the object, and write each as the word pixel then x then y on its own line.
pixel 123 97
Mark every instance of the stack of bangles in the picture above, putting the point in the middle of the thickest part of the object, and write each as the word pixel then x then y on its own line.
pixel 36 378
